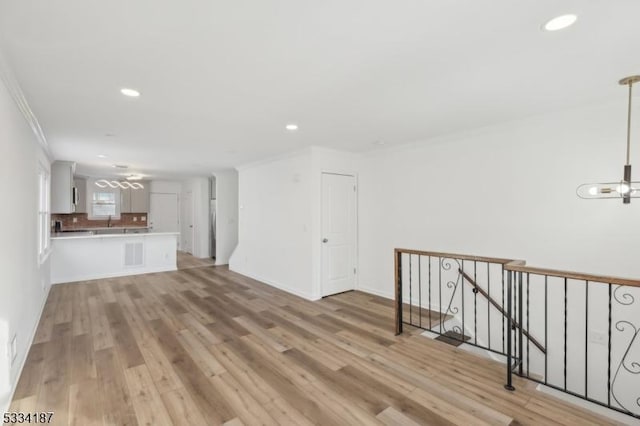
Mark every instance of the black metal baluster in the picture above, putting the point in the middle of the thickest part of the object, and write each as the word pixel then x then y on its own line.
pixel 440 290
pixel 420 290
pixel 528 330
pixel 503 319
pixel 410 293
pixel 399 292
pixel 509 385
pixel 546 329
pixel 521 326
pixel 430 293
pixel 488 306
pixel 586 340
pixel 475 304
pixel 515 313
pixel 462 290
pixel 565 334
pixel 609 353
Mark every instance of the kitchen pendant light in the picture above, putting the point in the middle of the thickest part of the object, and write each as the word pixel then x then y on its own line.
pixel 625 189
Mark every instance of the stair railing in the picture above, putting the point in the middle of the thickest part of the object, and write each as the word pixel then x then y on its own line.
pixel 573 332
pixel 591 329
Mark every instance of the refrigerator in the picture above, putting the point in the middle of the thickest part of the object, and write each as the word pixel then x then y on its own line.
pixel 212 219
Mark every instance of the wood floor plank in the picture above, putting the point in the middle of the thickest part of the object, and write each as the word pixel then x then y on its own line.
pixel 102 338
pixel 114 394
pixel 125 343
pixel 32 372
pixel 149 407
pixel 85 405
pixel 182 409
pixel 205 346
pixel 204 394
pixel 83 365
pixel 53 392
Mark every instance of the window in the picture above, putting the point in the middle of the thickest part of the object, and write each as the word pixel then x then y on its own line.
pixel 44 213
pixel 103 204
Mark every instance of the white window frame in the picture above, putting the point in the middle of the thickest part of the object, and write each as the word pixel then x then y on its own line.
pixel 44 213
pixel 91 190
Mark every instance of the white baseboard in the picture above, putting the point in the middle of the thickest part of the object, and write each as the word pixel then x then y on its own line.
pixel 277 285
pixel 598 409
pixel 89 277
pixel 376 292
pixel 23 361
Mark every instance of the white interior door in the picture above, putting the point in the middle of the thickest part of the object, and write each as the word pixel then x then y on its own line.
pixel 338 233
pixel 187 222
pixel 163 213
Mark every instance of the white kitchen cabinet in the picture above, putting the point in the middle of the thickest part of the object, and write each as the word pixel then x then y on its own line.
pixel 81 188
pixel 62 200
pixel 140 198
pixel 135 200
pixel 125 200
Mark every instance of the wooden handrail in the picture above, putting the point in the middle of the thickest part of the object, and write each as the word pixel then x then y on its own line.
pixel 502 311
pixel 572 275
pixel 520 266
pixel 457 256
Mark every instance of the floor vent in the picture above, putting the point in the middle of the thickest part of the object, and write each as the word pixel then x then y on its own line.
pixel 452 338
pixel 133 254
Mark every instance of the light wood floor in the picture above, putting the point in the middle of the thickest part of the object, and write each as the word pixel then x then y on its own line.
pixel 205 346
pixel 186 261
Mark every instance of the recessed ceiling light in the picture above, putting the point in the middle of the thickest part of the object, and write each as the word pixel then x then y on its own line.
pixel 292 127
pixel 120 166
pixel 134 177
pixel 132 93
pixel 102 156
pixel 378 142
pixel 560 22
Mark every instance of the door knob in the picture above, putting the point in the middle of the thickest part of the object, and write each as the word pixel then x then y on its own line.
pixel 324 240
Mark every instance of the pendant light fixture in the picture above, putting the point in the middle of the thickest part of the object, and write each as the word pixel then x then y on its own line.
pixel 625 189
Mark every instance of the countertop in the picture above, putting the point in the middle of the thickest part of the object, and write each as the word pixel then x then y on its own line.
pixel 90 235
pixel 100 228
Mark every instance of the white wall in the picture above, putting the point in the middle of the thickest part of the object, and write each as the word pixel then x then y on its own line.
pixel 226 193
pixel 505 191
pixel 25 284
pixel 199 188
pixel 274 240
pixel 280 222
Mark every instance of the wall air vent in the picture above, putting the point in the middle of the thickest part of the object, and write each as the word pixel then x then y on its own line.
pixel 133 254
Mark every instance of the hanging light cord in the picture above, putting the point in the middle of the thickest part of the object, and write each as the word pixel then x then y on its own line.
pixel 629 124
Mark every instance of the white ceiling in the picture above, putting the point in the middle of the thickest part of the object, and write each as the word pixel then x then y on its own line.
pixel 220 79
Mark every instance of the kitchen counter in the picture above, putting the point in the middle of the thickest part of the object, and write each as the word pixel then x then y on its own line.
pixel 90 234
pixel 83 256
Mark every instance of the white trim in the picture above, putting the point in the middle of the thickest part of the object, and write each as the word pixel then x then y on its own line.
pixel 8 77
pixel 376 292
pixel 14 384
pixel 126 273
pixel 584 404
pixel 272 159
pixel 277 285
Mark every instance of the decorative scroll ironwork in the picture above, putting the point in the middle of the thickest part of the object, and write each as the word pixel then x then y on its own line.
pixel 445 265
pixel 626 365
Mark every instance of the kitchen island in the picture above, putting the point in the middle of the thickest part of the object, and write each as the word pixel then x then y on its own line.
pixel 82 256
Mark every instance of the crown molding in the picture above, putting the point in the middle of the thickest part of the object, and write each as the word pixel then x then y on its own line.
pixel 8 78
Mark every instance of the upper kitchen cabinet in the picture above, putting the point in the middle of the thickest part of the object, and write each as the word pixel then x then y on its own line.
pixel 81 190
pixel 63 194
pixel 140 198
pixel 135 200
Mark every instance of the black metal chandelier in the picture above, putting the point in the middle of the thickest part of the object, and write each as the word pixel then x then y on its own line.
pixel 625 189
